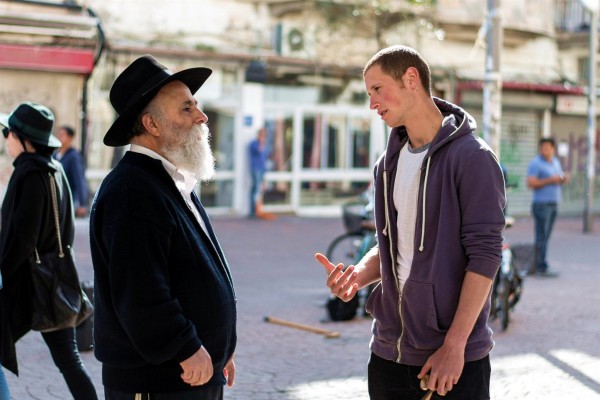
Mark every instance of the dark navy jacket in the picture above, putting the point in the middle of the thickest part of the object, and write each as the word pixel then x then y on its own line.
pixel 161 288
pixel 72 163
pixel 458 229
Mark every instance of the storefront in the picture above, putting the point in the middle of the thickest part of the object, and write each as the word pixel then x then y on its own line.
pixel 321 155
pixel 48 75
pixel 530 112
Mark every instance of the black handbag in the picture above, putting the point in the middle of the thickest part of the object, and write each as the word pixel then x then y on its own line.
pixel 58 300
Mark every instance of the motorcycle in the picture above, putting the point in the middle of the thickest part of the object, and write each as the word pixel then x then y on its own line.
pixel 507 287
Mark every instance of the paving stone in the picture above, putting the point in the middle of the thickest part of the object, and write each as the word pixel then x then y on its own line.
pixel 551 349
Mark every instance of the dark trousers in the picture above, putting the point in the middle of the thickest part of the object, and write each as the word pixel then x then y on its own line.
pixel 392 381
pixel 63 348
pixel 544 215
pixel 200 393
pixel 4 392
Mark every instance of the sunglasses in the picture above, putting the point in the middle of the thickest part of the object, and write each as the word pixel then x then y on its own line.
pixel 5 132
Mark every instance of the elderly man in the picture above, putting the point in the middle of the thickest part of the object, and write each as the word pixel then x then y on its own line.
pixel 165 321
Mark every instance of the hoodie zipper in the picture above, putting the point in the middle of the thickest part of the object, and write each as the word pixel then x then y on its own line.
pixel 390 239
pixel 386 231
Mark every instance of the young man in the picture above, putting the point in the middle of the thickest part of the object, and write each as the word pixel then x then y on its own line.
pixel 72 163
pixel 545 176
pixel 439 196
pixel 165 311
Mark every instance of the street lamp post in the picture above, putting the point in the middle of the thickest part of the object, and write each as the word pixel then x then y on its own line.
pixel 492 90
pixel 588 217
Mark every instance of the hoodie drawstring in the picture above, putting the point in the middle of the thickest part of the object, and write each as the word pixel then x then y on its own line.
pixel 422 246
pixel 387 216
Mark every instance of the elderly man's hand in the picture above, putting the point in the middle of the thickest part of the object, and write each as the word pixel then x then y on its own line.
pixel 229 371
pixel 198 369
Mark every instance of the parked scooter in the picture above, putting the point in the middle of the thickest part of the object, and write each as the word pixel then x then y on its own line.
pixel 507 287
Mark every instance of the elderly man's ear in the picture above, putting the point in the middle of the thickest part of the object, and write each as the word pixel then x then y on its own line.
pixel 150 124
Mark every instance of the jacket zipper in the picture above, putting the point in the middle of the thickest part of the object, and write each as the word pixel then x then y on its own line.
pixel 393 259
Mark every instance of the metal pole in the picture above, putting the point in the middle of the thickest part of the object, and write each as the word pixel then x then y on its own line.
pixel 588 216
pixel 83 126
pixel 492 90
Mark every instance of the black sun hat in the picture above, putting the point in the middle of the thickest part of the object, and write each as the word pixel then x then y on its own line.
pixel 34 121
pixel 137 85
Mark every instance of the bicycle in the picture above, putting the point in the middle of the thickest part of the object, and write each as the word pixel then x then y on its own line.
pixel 351 246
pixel 348 249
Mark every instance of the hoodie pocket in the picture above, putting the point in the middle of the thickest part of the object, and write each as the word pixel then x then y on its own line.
pixel 421 328
pixel 387 327
pixel 375 293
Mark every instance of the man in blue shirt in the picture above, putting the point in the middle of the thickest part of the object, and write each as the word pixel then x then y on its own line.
pixel 259 154
pixel 545 176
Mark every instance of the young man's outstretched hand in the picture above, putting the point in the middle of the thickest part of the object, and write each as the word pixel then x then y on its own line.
pixel 342 283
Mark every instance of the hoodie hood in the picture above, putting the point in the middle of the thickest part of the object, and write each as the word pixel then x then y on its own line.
pixel 457 122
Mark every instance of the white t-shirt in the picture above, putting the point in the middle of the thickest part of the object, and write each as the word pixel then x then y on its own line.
pixel 406 192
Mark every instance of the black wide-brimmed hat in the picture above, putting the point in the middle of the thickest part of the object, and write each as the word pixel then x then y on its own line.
pixel 137 85
pixel 33 121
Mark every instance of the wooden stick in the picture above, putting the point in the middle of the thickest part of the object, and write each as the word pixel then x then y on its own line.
pixel 327 333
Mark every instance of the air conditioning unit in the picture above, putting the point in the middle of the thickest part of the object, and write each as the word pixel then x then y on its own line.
pixel 294 41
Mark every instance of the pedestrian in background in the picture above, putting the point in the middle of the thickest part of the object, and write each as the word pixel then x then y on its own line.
pixel 259 154
pixel 165 311
pixel 545 177
pixel 28 225
pixel 72 162
pixel 439 199
pixel 4 392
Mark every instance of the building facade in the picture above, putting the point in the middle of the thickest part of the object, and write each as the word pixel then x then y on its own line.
pixel 295 67
pixel 47 53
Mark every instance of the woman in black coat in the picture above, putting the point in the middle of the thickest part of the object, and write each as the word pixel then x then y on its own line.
pixel 27 224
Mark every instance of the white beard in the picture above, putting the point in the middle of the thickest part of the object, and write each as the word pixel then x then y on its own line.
pixel 190 150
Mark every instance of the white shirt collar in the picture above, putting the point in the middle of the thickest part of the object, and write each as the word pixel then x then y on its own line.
pixel 185 180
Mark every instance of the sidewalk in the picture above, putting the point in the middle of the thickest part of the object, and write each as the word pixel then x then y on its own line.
pixel 551 349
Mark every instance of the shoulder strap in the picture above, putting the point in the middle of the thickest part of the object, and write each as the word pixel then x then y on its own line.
pixel 61 254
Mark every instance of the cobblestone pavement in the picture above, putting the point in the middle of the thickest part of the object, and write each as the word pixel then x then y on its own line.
pixel 551 349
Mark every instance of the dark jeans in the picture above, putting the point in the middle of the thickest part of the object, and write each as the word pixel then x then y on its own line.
pixel 4 392
pixel 63 348
pixel 201 393
pixel 544 215
pixel 392 381
pixel 255 190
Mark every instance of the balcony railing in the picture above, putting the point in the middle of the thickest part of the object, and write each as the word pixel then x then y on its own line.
pixel 571 16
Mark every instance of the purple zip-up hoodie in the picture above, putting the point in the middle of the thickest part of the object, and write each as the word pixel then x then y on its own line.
pixel 458 228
